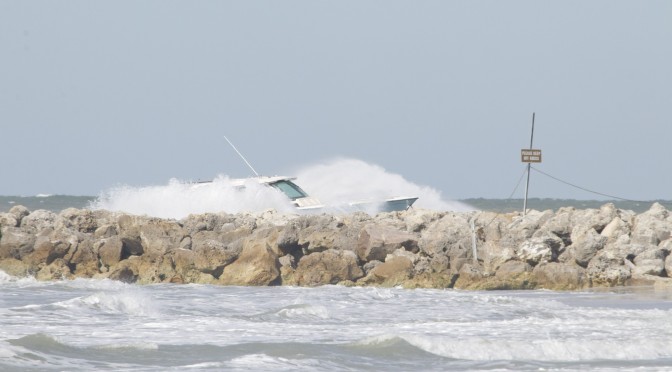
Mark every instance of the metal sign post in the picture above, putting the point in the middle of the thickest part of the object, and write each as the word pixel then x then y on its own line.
pixel 529 156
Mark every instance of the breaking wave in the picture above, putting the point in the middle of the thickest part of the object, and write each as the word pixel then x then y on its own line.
pixel 344 180
pixel 334 183
pixel 178 198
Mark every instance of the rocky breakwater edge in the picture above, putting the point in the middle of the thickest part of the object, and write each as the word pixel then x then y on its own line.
pixel 564 249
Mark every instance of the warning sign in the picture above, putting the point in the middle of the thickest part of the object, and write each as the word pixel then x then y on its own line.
pixel 530 156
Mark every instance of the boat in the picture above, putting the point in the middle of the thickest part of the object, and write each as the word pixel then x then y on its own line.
pixel 302 201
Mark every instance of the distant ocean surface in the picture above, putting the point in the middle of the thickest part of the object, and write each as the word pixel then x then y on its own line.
pixel 57 203
pixel 101 325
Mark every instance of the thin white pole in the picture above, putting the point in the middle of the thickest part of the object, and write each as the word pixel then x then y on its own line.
pixel 473 240
pixel 529 165
pixel 241 156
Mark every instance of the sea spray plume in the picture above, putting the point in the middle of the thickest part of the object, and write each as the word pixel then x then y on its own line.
pixel 178 198
pixel 344 180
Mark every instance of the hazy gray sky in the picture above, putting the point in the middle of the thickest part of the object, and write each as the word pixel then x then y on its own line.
pixel 97 93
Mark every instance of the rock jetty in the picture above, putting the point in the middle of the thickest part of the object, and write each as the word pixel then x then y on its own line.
pixel 564 249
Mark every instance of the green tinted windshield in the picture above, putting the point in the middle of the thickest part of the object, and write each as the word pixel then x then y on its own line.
pixel 290 189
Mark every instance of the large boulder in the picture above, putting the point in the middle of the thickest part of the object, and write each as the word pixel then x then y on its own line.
pixel 625 248
pixel 321 233
pixel 560 224
pixel 376 242
pixel 652 226
pixel 469 276
pixel 81 220
pixel 513 268
pixel 417 220
pixel 50 245
pixel 651 262
pixel 541 248
pixel 8 220
pixel 592 219
pixel 329 267
pixel 110 251
pixel 615 229
pixel 450 236
pixel 14 267
pixel 396 270
pixel 554 275
pixel 493 255
pixel 19 212
pixel 15 242
pixel 126 271
pixel 608 269
pixel 212 251
pixel 38 221
pixel 586 246
pixel 523 228
pixel 257 264
pixel 57 270
pixel 82 256
pixel 106 231
pixel 159 237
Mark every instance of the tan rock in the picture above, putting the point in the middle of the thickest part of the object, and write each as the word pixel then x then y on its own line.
pixel 540 248
pixel 159 237
pixel 607 269
pixel 8 220
pixel 513 268
pixel 450 236
pixel 81 220
pixel 469 276
pixel 257 264
pixel 110 251
pixel 15 243
pixel 38 221
pixel 14 267
pixel 57 270
pixel 586 246
pixel 19 212
pixel 376 242
pixel 395 271
pixel 559 276
pixel 329 267
pixel 650 262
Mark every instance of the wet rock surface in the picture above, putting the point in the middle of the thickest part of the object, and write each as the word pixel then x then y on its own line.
pixel 566 249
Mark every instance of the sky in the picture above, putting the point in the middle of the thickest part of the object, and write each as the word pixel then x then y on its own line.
pixel 95 94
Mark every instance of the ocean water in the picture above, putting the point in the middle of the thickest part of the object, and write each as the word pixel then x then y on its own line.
pixel 101 325
pixel 57 203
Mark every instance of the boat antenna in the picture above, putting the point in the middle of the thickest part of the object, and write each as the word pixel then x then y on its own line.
pixel 241 156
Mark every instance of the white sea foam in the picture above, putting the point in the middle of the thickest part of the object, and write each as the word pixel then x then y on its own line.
pixel 334 183
pixel 127 302
pixel 129 346
pixel 6 278
pixel 344 180
pixel 304 311
pixel 178 198
pixel 263 362
pixel 538 349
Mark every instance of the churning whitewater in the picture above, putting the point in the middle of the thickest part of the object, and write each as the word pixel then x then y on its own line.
pixel 334 182
pixel 106 325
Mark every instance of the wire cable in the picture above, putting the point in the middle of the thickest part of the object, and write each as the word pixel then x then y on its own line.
pixel 510 196
pixel 585 189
